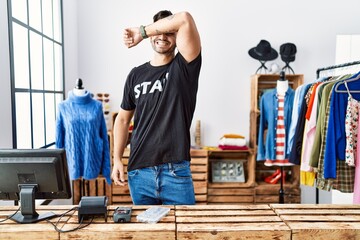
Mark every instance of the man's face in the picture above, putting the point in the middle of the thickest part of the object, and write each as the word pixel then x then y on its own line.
pixel 164 43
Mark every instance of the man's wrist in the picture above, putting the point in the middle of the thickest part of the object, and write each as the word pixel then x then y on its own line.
pixel 143 32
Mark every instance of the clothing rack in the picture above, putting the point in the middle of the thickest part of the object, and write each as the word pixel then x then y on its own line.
pixel 331 68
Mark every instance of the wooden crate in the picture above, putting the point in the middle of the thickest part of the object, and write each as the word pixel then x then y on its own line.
pixel 233 192
pixel 95 187
pixel 269 193
pixel 320 221
pixel 259 84
pixel 230 195
pixel 229 222
pixel 199 170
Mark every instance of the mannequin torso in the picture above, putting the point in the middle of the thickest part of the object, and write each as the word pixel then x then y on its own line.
pixel 282 84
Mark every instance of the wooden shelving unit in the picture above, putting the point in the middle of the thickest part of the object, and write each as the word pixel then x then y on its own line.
pixel 264 192
pixel 232 192
pixel 199 167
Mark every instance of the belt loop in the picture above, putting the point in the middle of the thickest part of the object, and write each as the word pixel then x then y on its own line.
pixel 170 166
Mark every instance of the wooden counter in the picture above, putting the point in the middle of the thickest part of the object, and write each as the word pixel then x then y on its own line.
pixel 229 222
pixel 320 221
pixel 275 221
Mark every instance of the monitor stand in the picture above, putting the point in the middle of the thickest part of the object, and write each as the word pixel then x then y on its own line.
pixel 27 206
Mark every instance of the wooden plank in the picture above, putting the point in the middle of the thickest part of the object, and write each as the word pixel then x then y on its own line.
pixel 230 191
pixel 318 212
pixel 199 161
pixel 288 198
pixel 198 153
pixel 230 199
pixel 121 199
pixel 200 198
pixel 200 187
pixel 199 177
pixel 223 207
pixel 118 190
pixel 222 212
pixel 42 231
pixel 315 206
pixel 325 231
pixel 230 219
pixel 92 187
pixel 322 218
pixel 199 168
pixel 229 222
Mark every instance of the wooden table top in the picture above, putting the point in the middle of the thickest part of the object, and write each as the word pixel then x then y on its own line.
pixel 274 221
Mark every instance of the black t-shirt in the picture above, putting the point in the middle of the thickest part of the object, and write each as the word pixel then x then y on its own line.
pixel 164 100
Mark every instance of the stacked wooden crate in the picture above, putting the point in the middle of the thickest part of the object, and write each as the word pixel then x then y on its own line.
pixel 232 192
pixel 229 222
pixel 199 170
pixel 95 187
pixel 320 221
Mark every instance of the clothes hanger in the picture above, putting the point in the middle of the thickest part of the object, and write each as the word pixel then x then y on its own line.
pixel 351 79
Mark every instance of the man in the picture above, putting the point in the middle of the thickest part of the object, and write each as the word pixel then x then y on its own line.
pixel 161 96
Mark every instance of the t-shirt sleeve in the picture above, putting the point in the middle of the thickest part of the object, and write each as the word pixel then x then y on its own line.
pixel 128 101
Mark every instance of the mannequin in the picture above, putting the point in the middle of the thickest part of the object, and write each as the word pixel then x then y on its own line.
pixel 81 130
pixel 79 89
pixel 282 84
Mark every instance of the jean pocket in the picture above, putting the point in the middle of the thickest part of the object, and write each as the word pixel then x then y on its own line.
pixel 133 173
pixel 181 169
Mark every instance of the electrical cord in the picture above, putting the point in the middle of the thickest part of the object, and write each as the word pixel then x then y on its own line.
pixel 60 230
pixel 10 216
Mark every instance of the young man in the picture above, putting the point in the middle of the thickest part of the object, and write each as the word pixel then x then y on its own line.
pixel 161 95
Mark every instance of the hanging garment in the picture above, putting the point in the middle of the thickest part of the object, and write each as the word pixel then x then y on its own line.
pixel 81 130
pixel 323 183
pixel 356 197
pixel 336 136
pixel 351 128
pixel 298 97
pixel 268 121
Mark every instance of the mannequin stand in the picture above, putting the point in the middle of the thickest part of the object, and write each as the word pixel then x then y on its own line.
pixel 281 190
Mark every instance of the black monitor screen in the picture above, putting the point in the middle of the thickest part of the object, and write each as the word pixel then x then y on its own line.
pixel 29 174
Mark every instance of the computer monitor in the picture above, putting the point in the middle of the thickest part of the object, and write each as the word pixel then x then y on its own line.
pixel 30 174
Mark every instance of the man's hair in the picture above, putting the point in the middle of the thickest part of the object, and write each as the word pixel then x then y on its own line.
pixel 162 14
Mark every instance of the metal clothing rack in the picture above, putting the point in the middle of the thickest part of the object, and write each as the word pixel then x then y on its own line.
pixel 331 68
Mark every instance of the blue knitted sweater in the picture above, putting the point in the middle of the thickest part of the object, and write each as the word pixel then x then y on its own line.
pixel 81 130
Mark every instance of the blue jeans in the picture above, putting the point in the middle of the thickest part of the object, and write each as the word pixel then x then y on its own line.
pixel 168 184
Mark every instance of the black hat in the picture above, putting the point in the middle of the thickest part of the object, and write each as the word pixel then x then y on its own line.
pixel 263 51
pixel 287 52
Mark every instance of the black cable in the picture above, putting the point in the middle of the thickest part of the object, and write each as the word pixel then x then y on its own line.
pixel 60 230
pixel 10 216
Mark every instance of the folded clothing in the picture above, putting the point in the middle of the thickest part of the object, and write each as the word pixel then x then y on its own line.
pixel 229 147
pixel 232 142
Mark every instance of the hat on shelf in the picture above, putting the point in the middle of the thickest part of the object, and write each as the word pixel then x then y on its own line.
pixel 287 52
pixel 263 51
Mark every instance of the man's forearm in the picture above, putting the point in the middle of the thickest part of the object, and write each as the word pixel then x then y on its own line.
pixel 121 132
pixel 169 24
